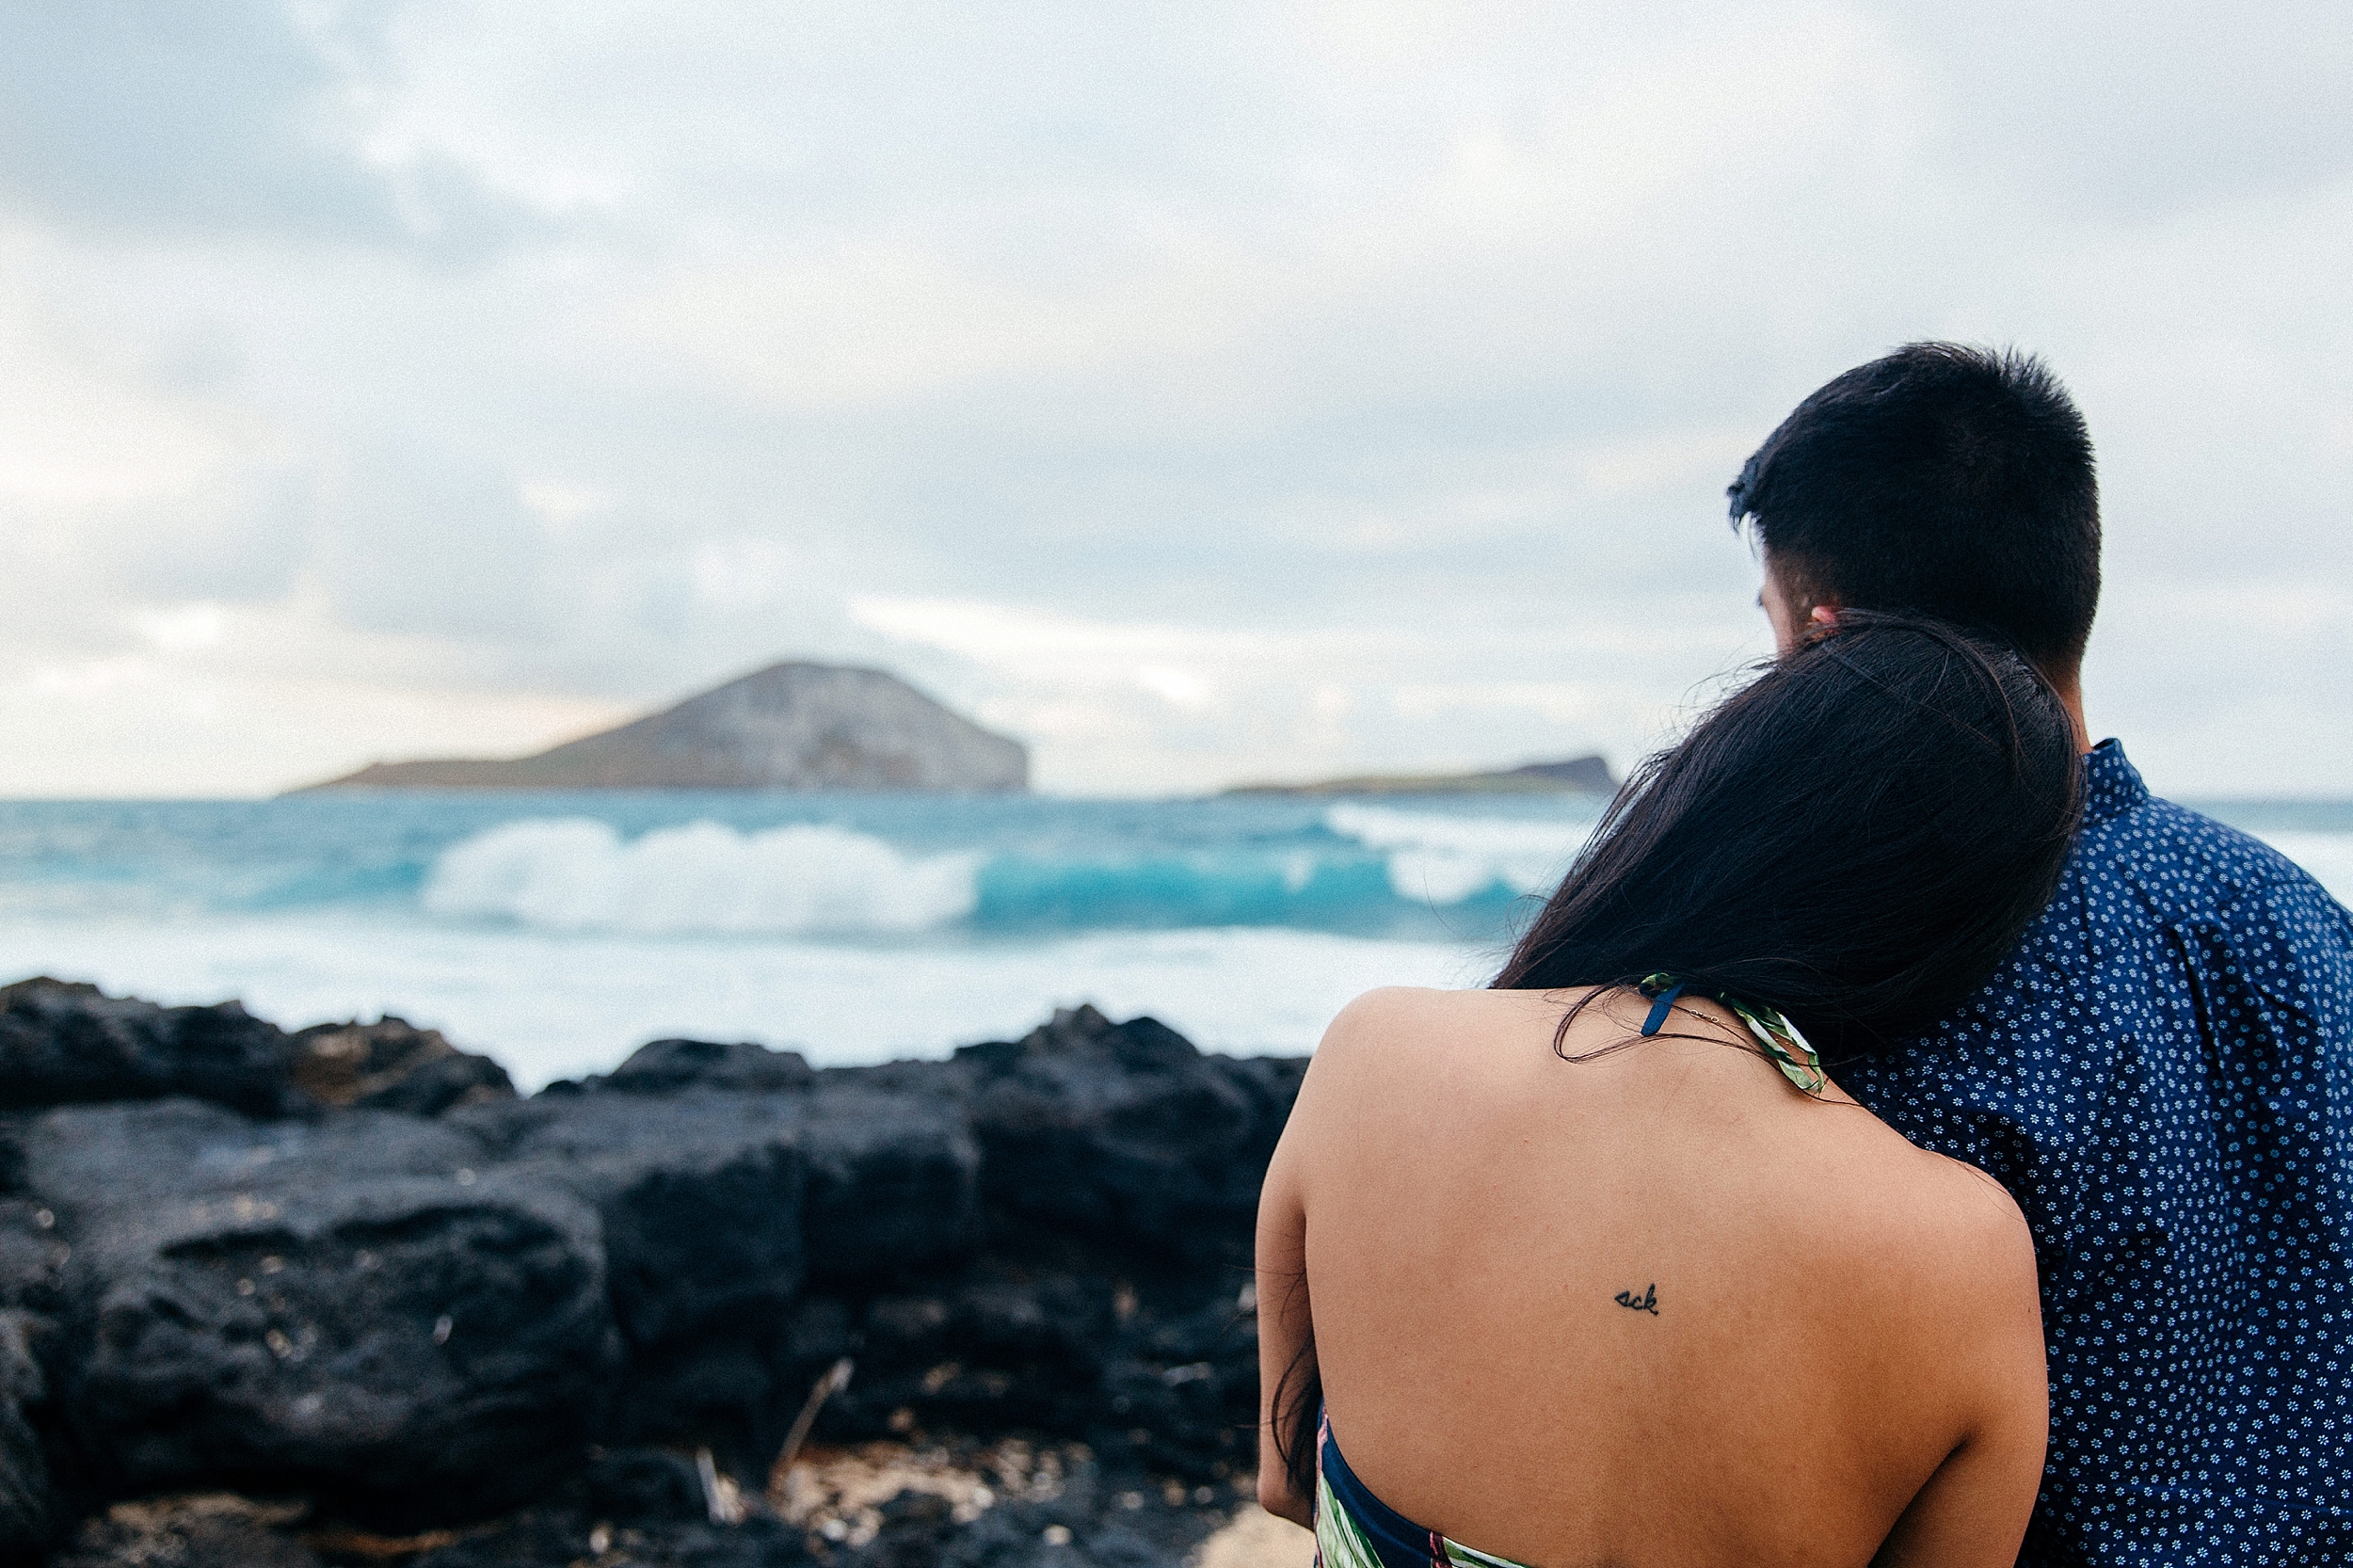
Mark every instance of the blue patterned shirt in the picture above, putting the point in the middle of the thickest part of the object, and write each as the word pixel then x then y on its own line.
pixel 2162 1075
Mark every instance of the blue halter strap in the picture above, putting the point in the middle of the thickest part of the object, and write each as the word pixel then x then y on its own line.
pixel 1659 1009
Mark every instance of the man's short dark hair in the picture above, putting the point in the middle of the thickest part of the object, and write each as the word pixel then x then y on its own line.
pixel 1941 480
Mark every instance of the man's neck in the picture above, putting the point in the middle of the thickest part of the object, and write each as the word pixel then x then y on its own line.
pixel 2070 695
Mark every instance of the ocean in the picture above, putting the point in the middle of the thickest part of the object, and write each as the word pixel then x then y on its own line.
pixel 558 930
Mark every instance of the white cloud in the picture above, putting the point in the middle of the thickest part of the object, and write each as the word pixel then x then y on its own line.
pixel 210 117
pixel 1268 702
pixel 183 627
pixel 77 431
pixel 1199 391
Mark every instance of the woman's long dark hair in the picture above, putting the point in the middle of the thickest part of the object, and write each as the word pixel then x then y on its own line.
pixel 1856 839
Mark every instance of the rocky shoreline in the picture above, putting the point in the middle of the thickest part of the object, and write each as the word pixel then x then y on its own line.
pixel 341 1296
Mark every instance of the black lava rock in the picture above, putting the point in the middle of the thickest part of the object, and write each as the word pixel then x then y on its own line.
pixel 64 1044
pixel 662 1066
pixel 33 1255
pixel 393 1066
pixel 26 1506
pixel 344 1307
pixel 700 1194
pixel 894 1184
pixel 349 1268
pixel 1123 1133
pixel 643 1487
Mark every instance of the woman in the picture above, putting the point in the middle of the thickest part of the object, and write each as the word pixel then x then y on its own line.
pixel 1598 1266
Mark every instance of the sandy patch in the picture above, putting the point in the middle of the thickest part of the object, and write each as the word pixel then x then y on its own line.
pixel 1256 1539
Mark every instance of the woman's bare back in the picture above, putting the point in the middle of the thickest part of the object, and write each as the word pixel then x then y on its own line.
pixel 1654 1307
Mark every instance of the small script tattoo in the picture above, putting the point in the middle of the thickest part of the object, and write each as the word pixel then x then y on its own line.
pixel 1646 1301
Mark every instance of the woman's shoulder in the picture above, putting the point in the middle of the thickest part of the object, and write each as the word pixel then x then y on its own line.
pixel 1389 1010
pixel 1397 1044
pixel 1391 1048
pixel 1947 1227
pixel 1424 1021
pixel 1931 1266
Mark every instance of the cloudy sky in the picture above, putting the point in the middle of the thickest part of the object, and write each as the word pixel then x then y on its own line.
pixel 1199 391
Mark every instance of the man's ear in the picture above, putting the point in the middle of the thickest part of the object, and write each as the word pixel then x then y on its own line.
pixel 1825 617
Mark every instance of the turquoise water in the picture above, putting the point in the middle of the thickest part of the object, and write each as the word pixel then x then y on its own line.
pixel 844 865
pixel 558 929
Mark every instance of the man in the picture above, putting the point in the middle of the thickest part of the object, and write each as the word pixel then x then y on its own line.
pixel 2162 1074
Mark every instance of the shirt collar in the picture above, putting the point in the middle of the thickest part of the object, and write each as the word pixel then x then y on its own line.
pixel 2112 786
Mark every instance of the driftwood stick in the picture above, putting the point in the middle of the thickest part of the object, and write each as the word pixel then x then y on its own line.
pixel 720 1498
pixel 832 1381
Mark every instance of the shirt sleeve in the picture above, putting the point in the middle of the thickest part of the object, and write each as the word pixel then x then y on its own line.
pixel 2287 998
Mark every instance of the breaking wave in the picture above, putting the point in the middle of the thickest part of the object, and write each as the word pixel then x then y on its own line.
pixel 1448 859
pixel 1357 868
pixel 577 875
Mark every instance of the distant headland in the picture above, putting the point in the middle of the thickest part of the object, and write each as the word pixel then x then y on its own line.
pixel 789 726
pixel 1589 776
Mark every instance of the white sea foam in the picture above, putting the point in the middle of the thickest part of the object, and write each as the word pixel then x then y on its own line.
pixel 554 1005
pixel 1445 860
pixel 577 875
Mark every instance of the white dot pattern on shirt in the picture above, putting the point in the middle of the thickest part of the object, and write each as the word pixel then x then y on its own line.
pixel 2160 1076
